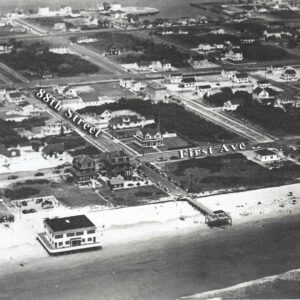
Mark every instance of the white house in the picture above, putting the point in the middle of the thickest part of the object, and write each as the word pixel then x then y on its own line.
pixel 204 90
pixel 233 104
pixel 54 127
pixel 59 50
pixel 265 155
pixel 187 83
pixel 228 73
pixel 175 77
pixel 68 234
pixel 234 55
pixel 289 74
pixel 148 138
pixel 240 78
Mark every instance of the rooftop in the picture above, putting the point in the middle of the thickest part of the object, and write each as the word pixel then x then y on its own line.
pixel 264 152
pixel 69 223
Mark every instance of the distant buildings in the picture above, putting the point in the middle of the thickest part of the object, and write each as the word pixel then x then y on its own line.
pixel 240 78
pixel 156 92
pixel 59 50
pixel 289 74
pixel 54 127
pixel 234 55
pixel 233 104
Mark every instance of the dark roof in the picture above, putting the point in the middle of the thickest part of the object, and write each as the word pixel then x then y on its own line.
pixel 125 119
pixel 241 75
pixel 69 223
pixel 206 86
pixel 54 148
pixel 263 81
pixel 188 80
pixel 151 131
pixel 9 152
pixel 235 101
pixel 264 152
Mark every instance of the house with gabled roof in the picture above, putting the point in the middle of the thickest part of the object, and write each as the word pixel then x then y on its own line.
pixel 148 138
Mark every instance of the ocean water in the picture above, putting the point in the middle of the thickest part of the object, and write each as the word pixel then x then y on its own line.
pixel 168 8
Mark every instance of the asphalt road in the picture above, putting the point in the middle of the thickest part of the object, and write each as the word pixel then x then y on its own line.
pixel 165 268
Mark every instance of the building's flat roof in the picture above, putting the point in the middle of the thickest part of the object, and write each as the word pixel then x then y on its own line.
pixel 69 223
pixel 265 152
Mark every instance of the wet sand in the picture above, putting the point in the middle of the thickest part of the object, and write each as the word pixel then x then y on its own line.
pixel 164 268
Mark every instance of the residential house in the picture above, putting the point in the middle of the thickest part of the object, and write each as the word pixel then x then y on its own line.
pixel 15 96
pixel 74 233
pixel 54 127
pixel 234 55
pixel 264 83
pixel 59 50
pixel 289 74
pixel 53 150
pixel 277 69
pixel 117 160
pixel 8 155
pixel 5 48
pixel 113 50
pixel 126 82
pixel 156 92
pixel 60 27
pixel 188 82
pixel 83 169
pixel 148 138
pixel 128 121
pixel 175 77
pixel 117 182
pixel 241 78
pixel 282 101
pixel 233 104
pixel 266 155
pixel 204 90
pixel 264 95
pixel 228 73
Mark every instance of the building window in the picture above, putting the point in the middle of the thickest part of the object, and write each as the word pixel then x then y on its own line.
pixel 70 234
pixel 83 240
pixel 60 243
pixel 79 233
pixel 91 231
pixel 89 239
pixel 67 242
pixel 59 236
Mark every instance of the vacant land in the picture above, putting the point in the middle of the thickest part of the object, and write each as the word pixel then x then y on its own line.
pixel 173 118
pixel 132 197
pixel 273 119
pixel 34 60
pixel 134 49
pixel 67 194
pixel 227 172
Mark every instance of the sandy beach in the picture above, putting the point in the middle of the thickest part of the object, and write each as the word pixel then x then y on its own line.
pixel 174 228
pixel 121 226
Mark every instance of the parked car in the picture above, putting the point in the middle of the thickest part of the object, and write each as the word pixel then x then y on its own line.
pixel 39 174
pixel 11 177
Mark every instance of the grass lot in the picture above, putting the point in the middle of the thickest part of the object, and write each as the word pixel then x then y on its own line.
pixel 46 22
pixel 227 172
pixel 173 118
pixel 174 143
pixel 273 119
pixel 132 197
pixel 34 60
pixel 135 49
pixel 67 194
